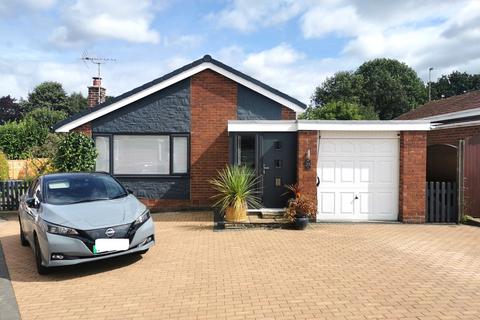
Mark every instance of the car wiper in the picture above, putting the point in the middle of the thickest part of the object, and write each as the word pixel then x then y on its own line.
pixel 119 196
pixel 89 200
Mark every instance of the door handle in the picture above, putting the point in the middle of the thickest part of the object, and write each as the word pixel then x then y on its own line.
pixel 318 181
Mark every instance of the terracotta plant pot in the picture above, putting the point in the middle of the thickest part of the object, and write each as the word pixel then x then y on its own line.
pixel 236 215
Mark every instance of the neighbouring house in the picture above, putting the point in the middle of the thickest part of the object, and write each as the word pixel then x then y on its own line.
pixel 167 138
pixel 453 146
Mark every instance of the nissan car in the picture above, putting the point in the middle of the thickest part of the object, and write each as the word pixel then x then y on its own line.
pixel 71 218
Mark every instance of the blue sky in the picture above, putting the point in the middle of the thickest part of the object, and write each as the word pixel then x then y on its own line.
pixel 290 45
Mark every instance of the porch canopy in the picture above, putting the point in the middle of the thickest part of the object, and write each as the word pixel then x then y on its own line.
pixel 327 125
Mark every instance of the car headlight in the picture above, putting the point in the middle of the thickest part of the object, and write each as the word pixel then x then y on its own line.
pixel 57 229
pixel 144 217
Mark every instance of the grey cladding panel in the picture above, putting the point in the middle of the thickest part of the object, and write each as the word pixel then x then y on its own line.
pixel 254 106
pixel 159 188
pixel 167 110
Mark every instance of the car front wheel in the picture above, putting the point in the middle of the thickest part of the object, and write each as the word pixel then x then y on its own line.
pixel 38 259
pixel 23 240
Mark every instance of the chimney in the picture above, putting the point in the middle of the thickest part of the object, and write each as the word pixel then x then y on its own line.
pixel 96 94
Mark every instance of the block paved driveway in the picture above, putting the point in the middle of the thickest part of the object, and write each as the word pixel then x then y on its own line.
pixel 351 271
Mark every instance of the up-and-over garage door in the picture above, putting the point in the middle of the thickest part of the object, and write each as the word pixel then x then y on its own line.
pixel 358 175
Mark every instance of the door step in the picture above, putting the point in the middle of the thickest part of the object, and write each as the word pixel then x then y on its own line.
pixel 271 213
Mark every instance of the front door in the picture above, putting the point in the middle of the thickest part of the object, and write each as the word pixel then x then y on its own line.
pixel 273 157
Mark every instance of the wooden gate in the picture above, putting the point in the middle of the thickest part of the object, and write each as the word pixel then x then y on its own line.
pixel 442 202
pixel 471 189
pixel 10 193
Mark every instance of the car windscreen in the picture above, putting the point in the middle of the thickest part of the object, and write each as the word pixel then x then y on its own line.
pixel 79 188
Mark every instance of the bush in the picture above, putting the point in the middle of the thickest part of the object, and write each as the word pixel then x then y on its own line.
pixel 45 118
pixel 3 167
pixel 76 152
pixel 17 138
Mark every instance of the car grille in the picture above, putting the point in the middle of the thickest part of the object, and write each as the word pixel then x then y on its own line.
pixel 122 231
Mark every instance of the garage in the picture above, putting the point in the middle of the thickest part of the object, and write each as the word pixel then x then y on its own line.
pixel 358 176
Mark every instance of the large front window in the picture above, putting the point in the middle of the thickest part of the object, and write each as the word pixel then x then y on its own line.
pixel 142 154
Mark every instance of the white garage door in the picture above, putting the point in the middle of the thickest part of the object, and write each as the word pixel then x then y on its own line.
pixel 358 176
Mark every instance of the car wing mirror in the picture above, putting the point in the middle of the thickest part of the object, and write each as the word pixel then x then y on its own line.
pixel 31 202
pixel 129 191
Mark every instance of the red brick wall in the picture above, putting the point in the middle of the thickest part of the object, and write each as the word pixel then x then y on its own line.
pixel 86 129
pixel 451 136
pixel 307 178
pixel 413 161
pixel 288 114
pixel 213 102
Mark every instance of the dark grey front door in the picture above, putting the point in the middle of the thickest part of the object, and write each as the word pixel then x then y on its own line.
pixel 277 166
pixel 273 156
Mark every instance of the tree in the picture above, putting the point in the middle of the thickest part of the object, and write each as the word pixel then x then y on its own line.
pixel 387 85
pixel 454 83
pixel 44 117
pixel 391 87
pixel 49 95
pixel 76 152
pixel 339 110
pixel 10 110
pixel 343 85
pixel 76 103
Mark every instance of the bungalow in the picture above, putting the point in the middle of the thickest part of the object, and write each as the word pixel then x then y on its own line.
pixel 453 145
pixel 167 138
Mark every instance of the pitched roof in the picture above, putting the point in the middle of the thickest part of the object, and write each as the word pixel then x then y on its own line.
pixel 462 102
pixel 207 62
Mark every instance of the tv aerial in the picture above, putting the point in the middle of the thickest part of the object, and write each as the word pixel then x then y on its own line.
pixel 95 60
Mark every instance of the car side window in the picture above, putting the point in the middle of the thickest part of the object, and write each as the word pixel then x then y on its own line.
pixel 32 189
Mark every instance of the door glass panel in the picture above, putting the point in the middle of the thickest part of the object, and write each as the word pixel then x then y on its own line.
pixel 246 151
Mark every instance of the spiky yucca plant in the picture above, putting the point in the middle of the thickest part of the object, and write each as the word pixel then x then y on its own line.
pixel 236 188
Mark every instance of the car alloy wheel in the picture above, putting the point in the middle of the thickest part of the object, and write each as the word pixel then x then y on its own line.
pixel 38 259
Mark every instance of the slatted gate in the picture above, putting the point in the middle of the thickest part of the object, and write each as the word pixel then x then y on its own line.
pixel 10 193
pixel 442 202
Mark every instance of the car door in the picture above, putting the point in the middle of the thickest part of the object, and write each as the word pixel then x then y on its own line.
pixel 30 213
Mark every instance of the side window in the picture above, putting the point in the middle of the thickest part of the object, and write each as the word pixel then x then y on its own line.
pixel 32 189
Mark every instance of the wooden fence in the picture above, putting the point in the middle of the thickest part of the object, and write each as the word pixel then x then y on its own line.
pixel 442 202
pixel 10 193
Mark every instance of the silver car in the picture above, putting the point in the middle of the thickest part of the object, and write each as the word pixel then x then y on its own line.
pixel 72 218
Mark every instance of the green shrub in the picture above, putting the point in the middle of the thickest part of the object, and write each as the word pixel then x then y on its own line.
pixel 17 138
pixel 76 152
pixel 3 167
pixel 45 118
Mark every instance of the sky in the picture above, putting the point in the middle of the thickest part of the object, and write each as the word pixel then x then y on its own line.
pixel 290 45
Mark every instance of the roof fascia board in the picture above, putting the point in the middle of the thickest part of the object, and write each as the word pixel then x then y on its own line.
pixel 168 82
pixel 312 125
pixel 456 125
pixel 455 115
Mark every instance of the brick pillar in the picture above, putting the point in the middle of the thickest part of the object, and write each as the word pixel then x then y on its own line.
pixel 213 101
pixel 96 93
pixel 413 163
pixel 86 129
pixel 307 178
pixel 288 114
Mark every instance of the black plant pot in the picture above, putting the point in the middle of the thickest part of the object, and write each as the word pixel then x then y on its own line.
pixel 300 222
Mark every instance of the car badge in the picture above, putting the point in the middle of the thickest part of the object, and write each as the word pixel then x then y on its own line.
pixel 109 232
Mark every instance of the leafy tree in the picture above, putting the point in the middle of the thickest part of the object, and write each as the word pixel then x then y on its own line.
pixel 3 167
pixel 389 86
pixel 16 138
pixel 45 118
pixel 48 148
pixel 342 86
pixel 76 103
pixel 10 110
pixel 49 95
pixel 339 110
pixel 76 152
pixel 454 83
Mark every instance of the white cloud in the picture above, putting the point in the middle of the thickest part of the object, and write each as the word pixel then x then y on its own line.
pixel 87 20
pixel 246 15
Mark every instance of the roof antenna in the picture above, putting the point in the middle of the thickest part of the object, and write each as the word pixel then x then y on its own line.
pixel 95 60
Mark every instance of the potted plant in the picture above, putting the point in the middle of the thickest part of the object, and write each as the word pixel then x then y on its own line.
pixel 236 191
pixel 300 208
